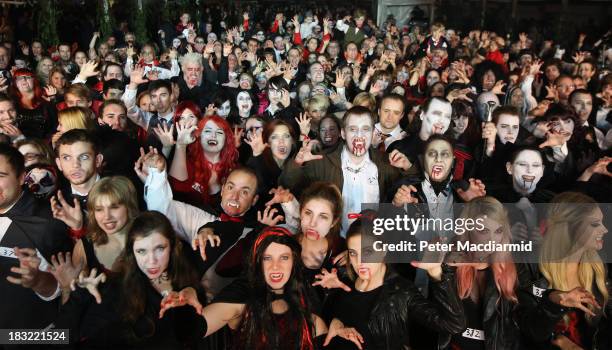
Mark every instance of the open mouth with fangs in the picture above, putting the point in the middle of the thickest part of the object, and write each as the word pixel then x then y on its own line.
pixel 438 129
pixel 212 142
pixel 276 277
pixel 359 146
pixel 528 181
pixel 436 171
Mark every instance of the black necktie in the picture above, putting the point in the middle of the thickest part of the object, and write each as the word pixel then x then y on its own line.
pixel 82 200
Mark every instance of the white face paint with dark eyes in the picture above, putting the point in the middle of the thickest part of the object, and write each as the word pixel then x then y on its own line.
pixel 438 160
pixel 212 137
pixel 357 134
pixel 224 109
pixel 526 170
pixel 437 118
pixel 507 128
pixel 244 103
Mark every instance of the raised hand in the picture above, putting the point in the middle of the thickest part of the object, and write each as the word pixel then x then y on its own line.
pixel 269 217
pixel 340 81
pixel 88 70
pixel 304 122
pixel 29 274
pixel 64 270
pixel 256 142
pixel 489 131
pixel 206 234
pixel 71 216
pixel 184 133
pixel 50 91
pixel 165 134
pixel 399 160
pixel 553 138
pixel 90 283
pixel 285 99
pixel 187 296
pixel 152 159
pixel 281 195
pixel 497 89
pixel 238 133
pixel 305 154
pixel 476 189
pixel 599 167
pixel 330 280
pixel 137 76
pixel 404 196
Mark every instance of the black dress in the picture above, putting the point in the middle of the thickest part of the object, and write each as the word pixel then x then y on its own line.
pixel 100 326
pixel 39 122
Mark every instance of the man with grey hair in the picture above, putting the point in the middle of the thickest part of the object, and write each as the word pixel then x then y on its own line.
pixel 192 86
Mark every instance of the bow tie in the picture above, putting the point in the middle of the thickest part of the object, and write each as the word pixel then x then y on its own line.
pixel 224 217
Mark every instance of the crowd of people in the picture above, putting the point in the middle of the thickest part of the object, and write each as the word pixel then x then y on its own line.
pixel 205 191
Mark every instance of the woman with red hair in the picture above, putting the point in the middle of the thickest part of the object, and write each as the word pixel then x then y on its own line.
pixel 188 114
pixel 202 160
pixel 35 116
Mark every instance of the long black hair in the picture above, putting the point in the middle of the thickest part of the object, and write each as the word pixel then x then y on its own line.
pixel 134 282
pixel 259 329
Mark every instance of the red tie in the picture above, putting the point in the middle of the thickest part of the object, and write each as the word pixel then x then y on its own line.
pixel 224 217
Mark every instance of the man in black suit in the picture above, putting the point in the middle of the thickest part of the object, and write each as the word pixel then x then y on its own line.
pixel 29 236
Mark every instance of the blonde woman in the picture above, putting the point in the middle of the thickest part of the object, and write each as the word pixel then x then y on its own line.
pixel 564 298
pixel 73 118
pixel 316 108
pixel 111 206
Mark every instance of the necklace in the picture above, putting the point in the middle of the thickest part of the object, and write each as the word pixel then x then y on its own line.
pixel 161 279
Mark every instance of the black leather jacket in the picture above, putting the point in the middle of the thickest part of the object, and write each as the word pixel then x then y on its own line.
pixel 499 320
pixel 400 301
pixel 538 315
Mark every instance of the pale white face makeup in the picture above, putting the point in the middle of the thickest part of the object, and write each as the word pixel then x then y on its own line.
pixel 244 103
pixel 437 119
pixel 507 128
pixel 526 170
pixel 358 134
pixel 212 138
pixel 224 109
pixel 438 160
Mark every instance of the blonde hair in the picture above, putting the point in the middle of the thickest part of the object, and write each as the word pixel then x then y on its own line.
pixel 365 99
pixel 318 102
pixel 437 27
pixel 76 118
pixel 118 190
pixel 566 215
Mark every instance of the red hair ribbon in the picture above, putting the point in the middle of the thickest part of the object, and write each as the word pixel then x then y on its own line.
pixel 267 232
